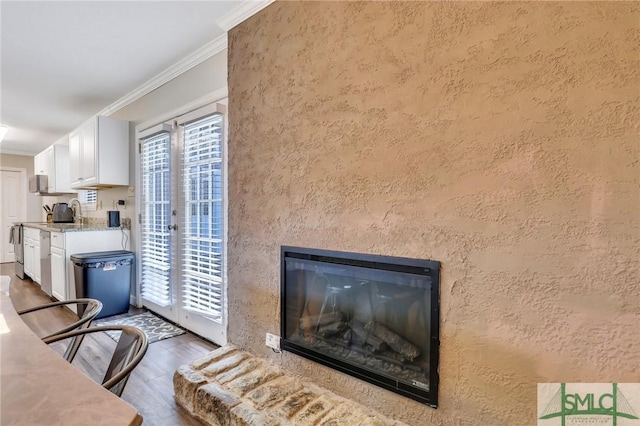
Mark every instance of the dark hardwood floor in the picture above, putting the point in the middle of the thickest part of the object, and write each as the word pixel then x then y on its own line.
pixel 150 387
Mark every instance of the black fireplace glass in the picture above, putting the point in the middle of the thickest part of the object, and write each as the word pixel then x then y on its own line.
pixel 373 317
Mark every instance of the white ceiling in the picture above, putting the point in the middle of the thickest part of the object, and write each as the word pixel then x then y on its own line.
pixel 64 61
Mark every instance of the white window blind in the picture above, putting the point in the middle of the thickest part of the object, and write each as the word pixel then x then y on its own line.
pixel 91 197
pixel 202 250
pixel 155 218
pixel 88 197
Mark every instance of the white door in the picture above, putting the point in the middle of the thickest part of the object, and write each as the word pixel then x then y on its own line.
pixel 182 228
pixel 13 195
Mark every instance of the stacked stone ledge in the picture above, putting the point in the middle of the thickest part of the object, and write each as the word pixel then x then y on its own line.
pixel 230 387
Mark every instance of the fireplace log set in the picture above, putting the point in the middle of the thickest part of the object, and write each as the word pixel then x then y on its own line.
pixel 370 344
pixel 395 342
pixel 315 321
pixel 373 334
pixel 363 324
pixel 376 343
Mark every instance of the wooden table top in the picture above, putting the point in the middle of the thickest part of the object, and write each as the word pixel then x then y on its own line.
pixel 38 387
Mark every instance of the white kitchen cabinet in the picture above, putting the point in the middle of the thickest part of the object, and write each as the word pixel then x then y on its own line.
pixel 99 154
pixel 58 274
pixel 54 162
pixel 75 157
pixel 37 267
pixel 41 163
pixel 31 244
pixel 29 257
pixel 88 158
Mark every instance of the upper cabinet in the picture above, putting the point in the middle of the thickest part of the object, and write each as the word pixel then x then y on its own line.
pixel 54 162
pixel 99 154
pixel 75 157
pixel 41 163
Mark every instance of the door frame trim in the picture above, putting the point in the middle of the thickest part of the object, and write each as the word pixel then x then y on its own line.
pixel 140 130
pixel 25 186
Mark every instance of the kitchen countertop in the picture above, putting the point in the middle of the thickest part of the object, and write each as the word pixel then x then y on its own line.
pixel 72 227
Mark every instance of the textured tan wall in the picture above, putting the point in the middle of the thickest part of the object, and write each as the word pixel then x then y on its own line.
pixel 500 139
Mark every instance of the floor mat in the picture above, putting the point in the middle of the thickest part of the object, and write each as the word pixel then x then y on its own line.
pixel 154 327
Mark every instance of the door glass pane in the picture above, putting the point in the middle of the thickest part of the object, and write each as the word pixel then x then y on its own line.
pixel 203 231
pixel 155 219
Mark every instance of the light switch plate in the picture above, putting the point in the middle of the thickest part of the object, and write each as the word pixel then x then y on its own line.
pixel 273 341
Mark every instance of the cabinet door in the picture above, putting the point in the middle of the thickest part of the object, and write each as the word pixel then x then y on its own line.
pixel 28 257
pixel 36 262
pixel 60 169
pixel 30 260
pixel 89 154
pixel 40 163
pixel 57 240
pixel 75 159
pixel 50 169
pixel 58 274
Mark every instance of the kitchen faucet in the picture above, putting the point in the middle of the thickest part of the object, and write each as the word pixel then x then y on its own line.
pixel 79 212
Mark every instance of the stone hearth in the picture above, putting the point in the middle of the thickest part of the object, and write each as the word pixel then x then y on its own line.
pixel 232 387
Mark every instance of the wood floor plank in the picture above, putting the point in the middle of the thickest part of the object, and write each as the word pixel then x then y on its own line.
pixel 150 387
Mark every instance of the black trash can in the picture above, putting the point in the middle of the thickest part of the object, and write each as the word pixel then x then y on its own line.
pixel 105 276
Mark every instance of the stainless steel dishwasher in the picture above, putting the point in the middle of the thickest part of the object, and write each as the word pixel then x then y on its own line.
pixel 45 262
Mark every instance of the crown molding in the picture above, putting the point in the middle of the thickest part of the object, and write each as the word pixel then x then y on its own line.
pixel 245 10
pixel 16 152
pixel 209 98
pixel 202 54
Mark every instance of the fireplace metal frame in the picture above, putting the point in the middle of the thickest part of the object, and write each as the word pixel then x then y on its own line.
pixel 429 268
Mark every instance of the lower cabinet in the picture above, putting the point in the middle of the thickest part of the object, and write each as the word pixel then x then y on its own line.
pixel 37 267
pixel 29 259
pixel 58 274
pixel 31 245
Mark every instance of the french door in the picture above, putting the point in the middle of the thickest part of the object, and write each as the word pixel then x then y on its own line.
pixel 182 228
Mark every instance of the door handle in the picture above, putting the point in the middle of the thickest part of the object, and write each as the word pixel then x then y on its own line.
pixel 172 227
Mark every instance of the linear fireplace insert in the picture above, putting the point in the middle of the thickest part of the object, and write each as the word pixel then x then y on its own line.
pixel 372 317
